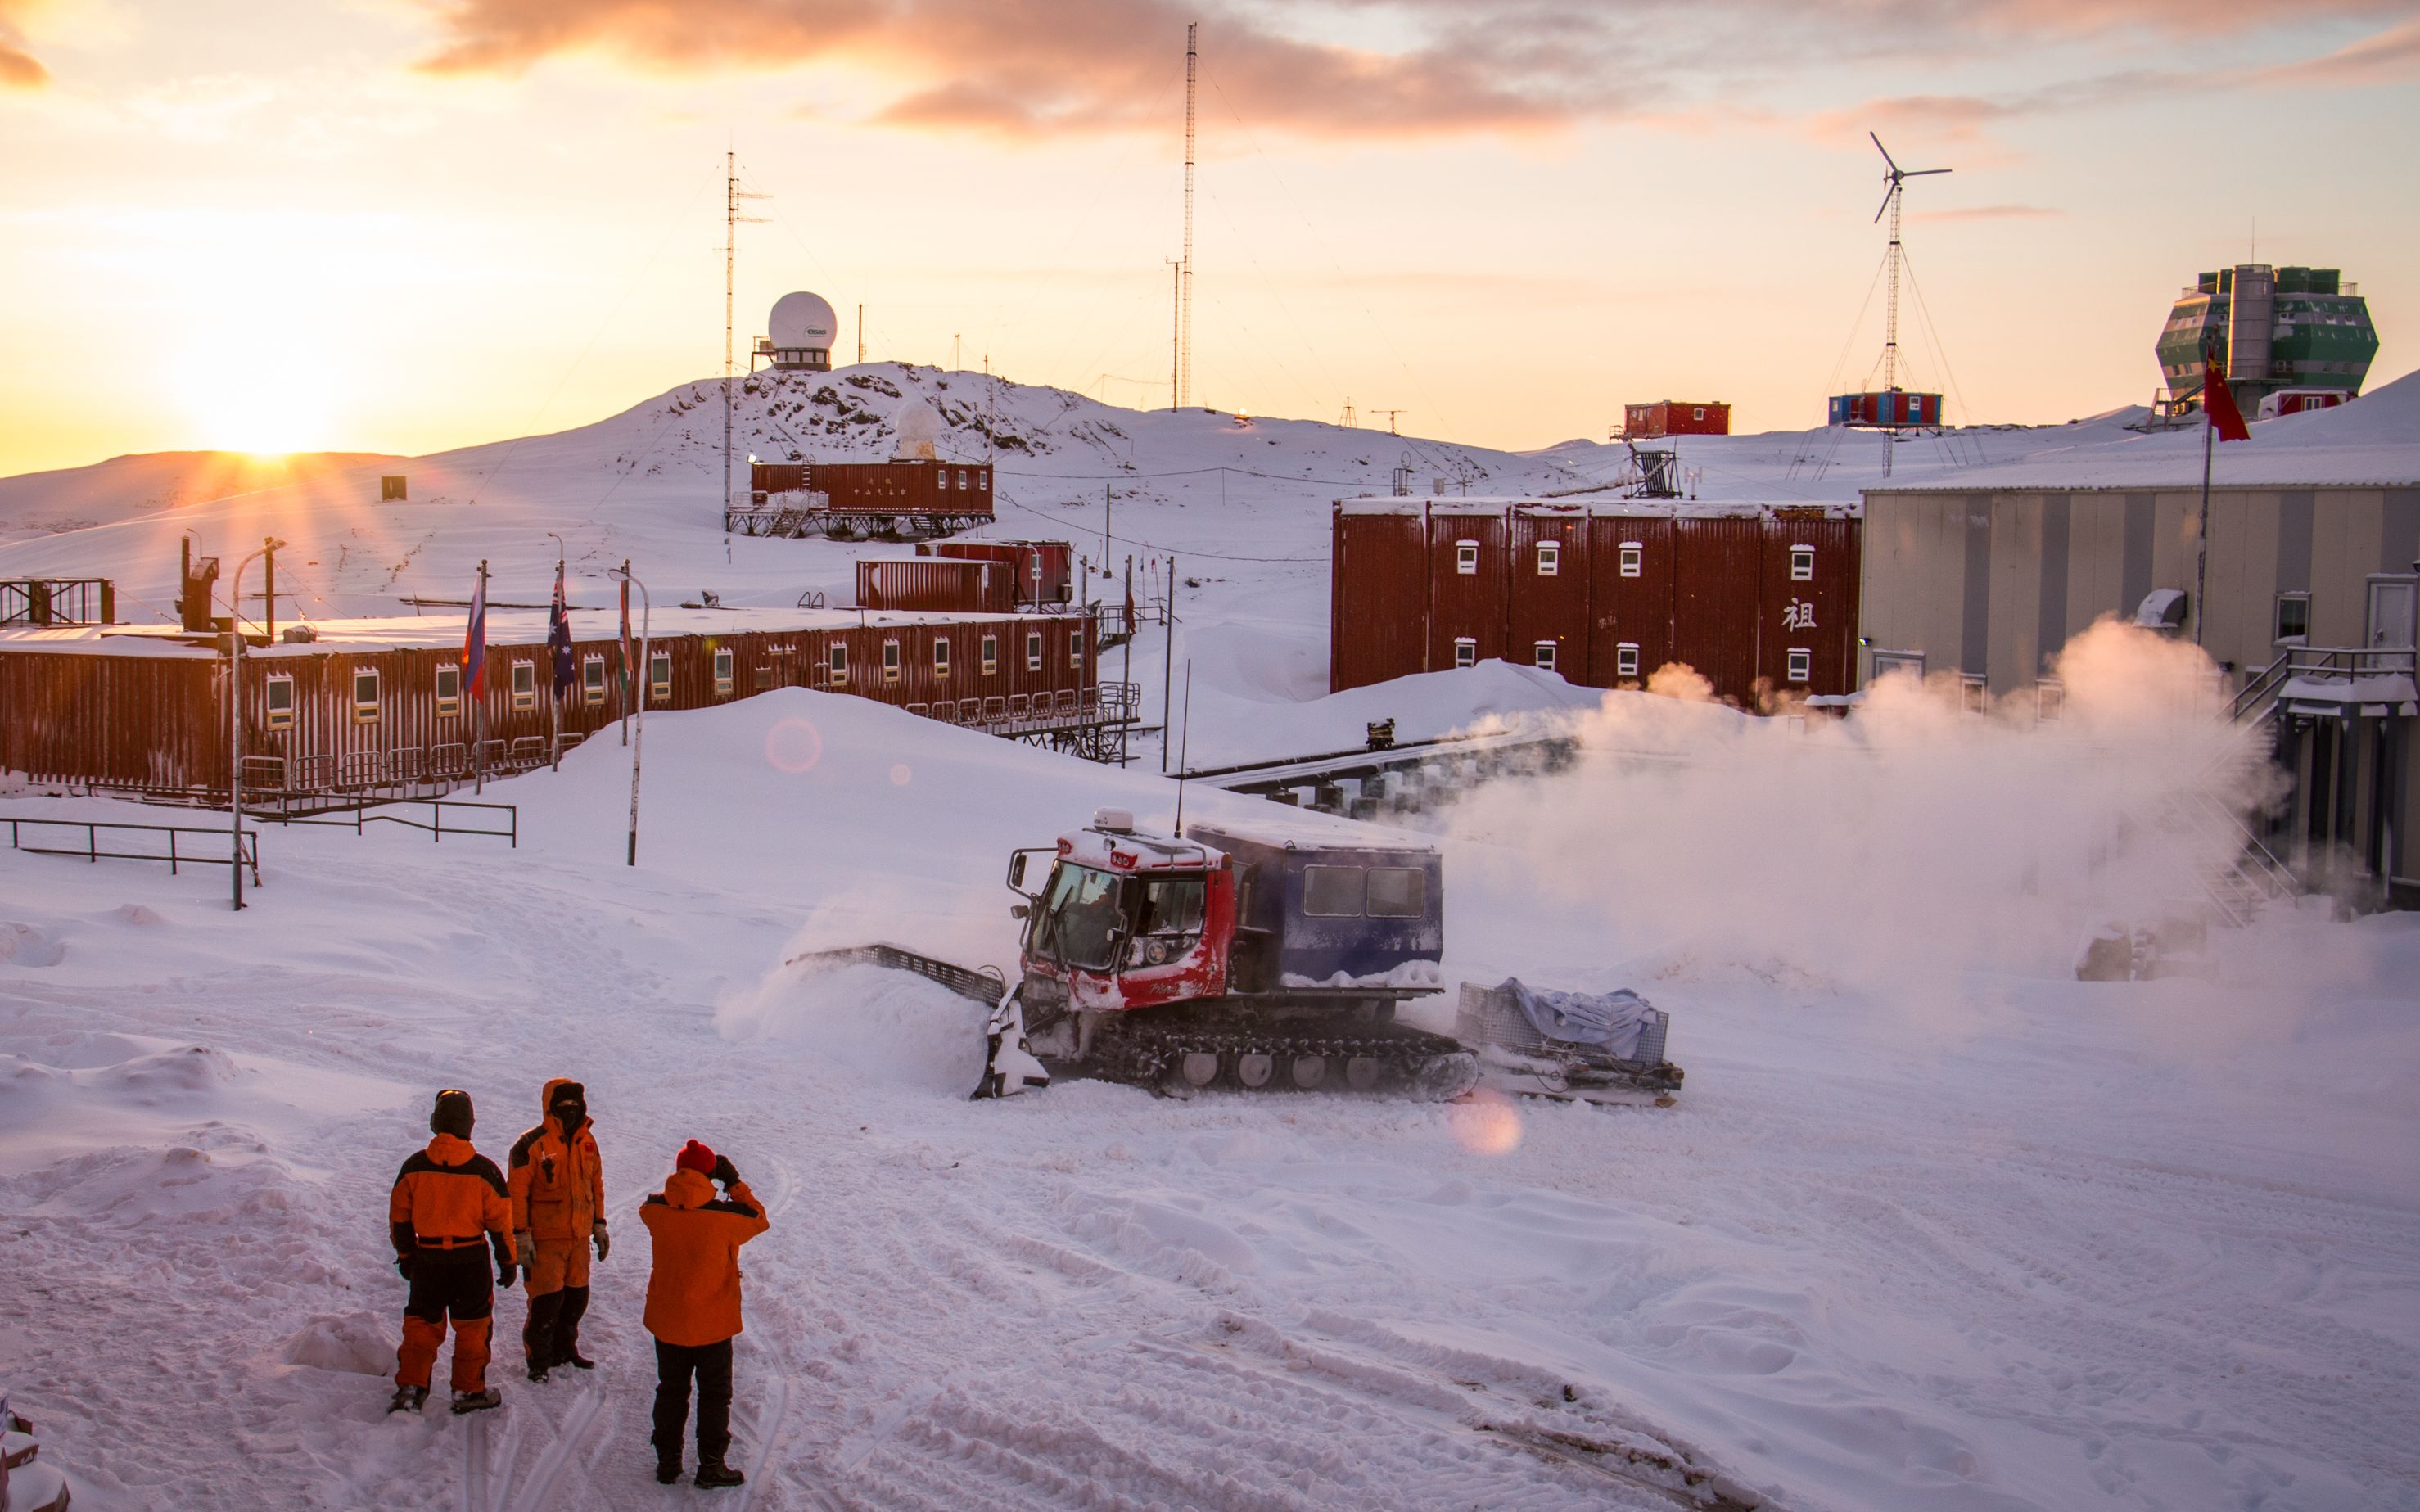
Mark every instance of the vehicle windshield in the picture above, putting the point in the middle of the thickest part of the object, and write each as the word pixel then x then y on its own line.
pixel 1080 917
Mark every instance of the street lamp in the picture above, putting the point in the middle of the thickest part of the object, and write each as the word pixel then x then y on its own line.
pixel 638 739
pixel 235 711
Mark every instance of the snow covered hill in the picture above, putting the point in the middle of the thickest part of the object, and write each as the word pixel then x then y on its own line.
pixel 76 499
pixel 1935 1225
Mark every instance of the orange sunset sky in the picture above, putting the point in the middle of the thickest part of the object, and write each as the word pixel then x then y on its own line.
pixel 409 225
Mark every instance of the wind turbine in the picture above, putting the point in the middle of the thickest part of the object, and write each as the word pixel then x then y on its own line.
pixel 1894 178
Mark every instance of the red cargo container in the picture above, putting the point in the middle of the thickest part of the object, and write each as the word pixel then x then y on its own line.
pixel 1045 570
pixel 1714 600
pixel 901 486
pixel 1547 598
pixel 1676 417
pixel 1468 580
pixel 939 584
pixel 1630 598
pixel 1807 640
pixel 1378 592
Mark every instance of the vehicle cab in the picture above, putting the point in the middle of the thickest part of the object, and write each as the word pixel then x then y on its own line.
pixel 1124 919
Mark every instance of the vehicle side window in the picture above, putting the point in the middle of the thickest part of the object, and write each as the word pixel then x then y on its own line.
pixel 1331 891
pixel 1172 906
pixel 1397 892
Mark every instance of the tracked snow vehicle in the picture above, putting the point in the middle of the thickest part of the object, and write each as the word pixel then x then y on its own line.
pixel 1259 962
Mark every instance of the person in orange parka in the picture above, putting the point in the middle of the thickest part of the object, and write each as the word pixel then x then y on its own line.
pixel 558 1190
pixel 446 1212
pixel 693 1305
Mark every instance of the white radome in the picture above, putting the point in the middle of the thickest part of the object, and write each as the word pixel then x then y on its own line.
pixel 802 320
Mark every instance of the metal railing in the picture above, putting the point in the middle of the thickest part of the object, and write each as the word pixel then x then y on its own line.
pixel 427 816
pixel 211 849
pixel 2257 697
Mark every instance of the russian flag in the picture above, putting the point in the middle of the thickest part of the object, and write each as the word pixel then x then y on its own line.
pixel 474 639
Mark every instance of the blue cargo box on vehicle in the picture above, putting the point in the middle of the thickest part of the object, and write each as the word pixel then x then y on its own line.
pixel 1317 911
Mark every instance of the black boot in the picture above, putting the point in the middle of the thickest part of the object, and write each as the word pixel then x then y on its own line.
pixel 409 1399
pixel 714 1473
pixel 477 1401
pixel 667 1471
pixel 578 1361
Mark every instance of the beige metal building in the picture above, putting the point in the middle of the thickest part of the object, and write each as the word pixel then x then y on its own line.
pixel 2307 601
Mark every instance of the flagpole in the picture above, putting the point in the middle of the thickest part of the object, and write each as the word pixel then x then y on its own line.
pixel 629 678
pixel 478 691
pixel 2201 548
pixel 558 653
pixel 638 742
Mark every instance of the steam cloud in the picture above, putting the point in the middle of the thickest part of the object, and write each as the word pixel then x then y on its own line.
pixel 1911 839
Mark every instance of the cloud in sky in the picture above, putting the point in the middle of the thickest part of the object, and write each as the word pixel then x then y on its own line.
pixel 19 68
pixel 1433 67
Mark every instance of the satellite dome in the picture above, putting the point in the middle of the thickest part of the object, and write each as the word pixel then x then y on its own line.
pixel 919 430
pixel 802 326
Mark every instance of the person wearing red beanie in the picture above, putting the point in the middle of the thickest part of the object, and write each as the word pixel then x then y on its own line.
pixel 693 1305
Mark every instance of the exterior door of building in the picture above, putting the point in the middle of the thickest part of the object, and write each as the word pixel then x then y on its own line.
pixel 2392 601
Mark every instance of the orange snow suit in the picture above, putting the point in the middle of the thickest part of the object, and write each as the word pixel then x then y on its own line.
pixel 693 1292
pixel 558 1190
pixel 447 1211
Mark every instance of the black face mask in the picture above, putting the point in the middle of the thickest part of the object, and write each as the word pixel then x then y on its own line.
pixel 571 1116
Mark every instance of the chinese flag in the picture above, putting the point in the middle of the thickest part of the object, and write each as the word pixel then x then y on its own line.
pixel 2218 400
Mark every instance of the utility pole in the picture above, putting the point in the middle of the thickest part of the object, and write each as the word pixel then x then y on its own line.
pixel 1125 673
pixel 1168 667
pixel 732 220
pixel 860 334
pixel 1105 530
pixel 1184 316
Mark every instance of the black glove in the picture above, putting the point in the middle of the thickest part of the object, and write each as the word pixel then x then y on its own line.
pixel 504 1274
pixel 403 1266
pixel 724 1173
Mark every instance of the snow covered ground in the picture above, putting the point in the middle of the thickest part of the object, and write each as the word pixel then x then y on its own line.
pixel 1933 1225
pixel 1931 1229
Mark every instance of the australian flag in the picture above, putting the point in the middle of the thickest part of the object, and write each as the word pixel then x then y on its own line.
pixel 558 637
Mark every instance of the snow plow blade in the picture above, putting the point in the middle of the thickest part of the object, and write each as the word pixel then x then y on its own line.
pixel 1571 1047
pixel 986 987
pixel 1009 1066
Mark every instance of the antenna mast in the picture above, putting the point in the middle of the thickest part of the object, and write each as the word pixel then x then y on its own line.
pixel 1184 316
pixel 1895 178
pixel 732 220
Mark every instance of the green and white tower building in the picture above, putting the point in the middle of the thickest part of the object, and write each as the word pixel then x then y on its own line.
pixel 2300 335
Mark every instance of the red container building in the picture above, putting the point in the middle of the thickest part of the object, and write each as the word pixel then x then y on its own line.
pixel 919 485
pixel 1045 570
pixel 1547 597
pixel 1758 600
pixel 937 584
pixel 1808 597
pixel 382 705
pixel 1467 582
pixel 1675 417
pixel 1380 549
pixel 1716 610
pixel 1630 598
